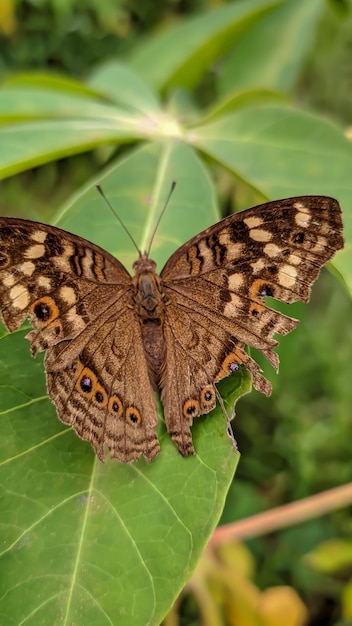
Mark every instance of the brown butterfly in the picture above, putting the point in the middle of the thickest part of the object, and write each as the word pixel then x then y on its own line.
pixel 112 341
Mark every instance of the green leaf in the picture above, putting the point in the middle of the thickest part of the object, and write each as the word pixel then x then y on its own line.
pixel 88 543
pixel 43 80
pixel 270 55
pixel 180 56
pixel 283 152
pixel 34 143
pixel 52 124
pixel 28 103
pixel 124 86
pixel 241 100
pixel 41 124
pixel 112 81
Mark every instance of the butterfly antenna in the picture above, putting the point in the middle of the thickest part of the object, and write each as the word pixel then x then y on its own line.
pixel 117 217
pixel 173 185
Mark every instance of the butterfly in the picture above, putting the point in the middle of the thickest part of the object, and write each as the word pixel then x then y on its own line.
pixel 112 341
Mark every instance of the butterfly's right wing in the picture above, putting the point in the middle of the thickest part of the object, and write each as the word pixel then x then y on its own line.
pixel 78 299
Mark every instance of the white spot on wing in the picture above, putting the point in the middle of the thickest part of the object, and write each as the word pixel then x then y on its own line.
pixel 27 268
pixel 44 281
pixel 20 297
pixel 301 207
pixel 257 234
pixel 9 280
pixel 68 294
pixel 233 307
pixel 235 281
pixel 287 275
pixel 294 259
pixel 253 222
pixel 302 219
pixel 35 252
pixel 39 236
pixel 258 266
pixel 272 250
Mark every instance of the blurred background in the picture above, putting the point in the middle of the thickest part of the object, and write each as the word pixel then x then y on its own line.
pixel 298 442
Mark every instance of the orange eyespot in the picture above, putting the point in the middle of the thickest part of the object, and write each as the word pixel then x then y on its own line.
pixel 190 408
pixel 133 415
pixel 232 362
pixel 256 309
pixel 86 382
pixel 100 396
pixel 260 289
pixel 45 310
pixel 88 386
pixel 207 396
pixel 115 406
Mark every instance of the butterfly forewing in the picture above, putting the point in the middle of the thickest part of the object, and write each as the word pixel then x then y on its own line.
pixel 112 340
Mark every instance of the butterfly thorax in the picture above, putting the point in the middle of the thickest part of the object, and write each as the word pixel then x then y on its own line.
pixel 149 307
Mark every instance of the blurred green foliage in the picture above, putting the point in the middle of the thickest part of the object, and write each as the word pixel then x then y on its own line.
pixel 72 36
pixel 325 83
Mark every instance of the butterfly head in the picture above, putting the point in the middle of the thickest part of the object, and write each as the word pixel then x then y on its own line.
pixel 144 265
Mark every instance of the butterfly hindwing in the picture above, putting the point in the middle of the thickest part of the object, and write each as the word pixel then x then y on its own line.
pixel 105 393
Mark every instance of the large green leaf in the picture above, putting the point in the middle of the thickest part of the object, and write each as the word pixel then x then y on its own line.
pixel 283 152
pixel 113 91
pixel 180 56
pixel 87 543
pixel 35 103
pixel 39 125
pixel 41 120
pixel 35 143
pixel 124 86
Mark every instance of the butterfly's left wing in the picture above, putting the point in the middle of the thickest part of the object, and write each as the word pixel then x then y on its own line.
pixel 214 287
